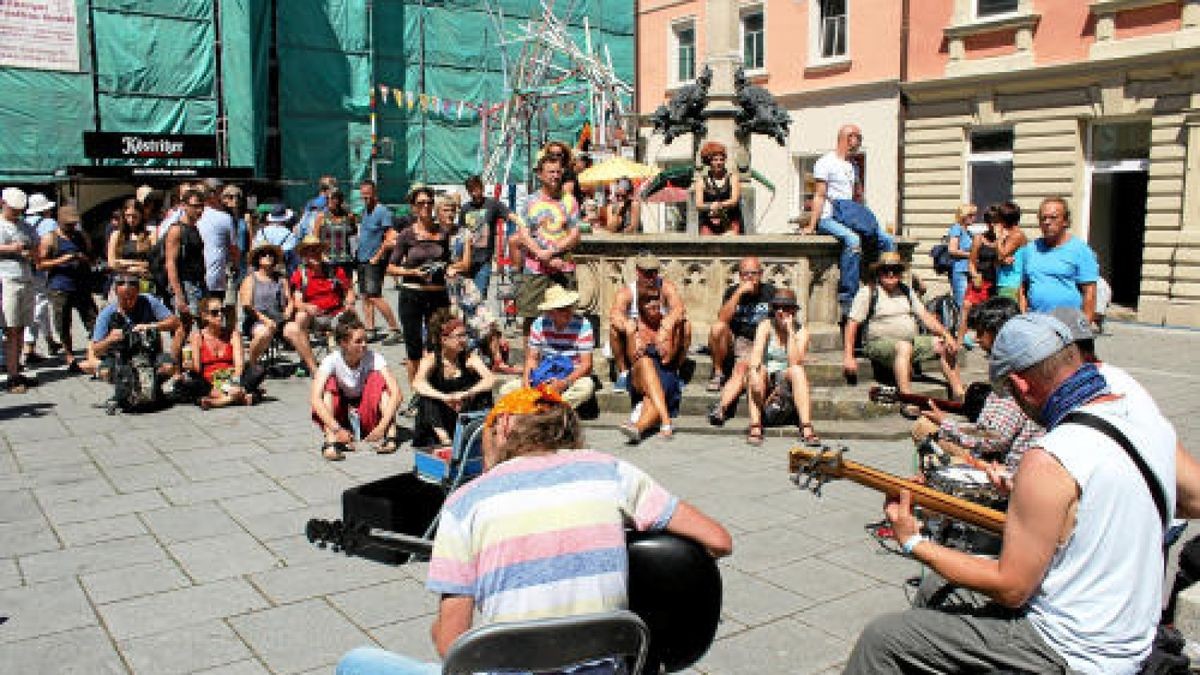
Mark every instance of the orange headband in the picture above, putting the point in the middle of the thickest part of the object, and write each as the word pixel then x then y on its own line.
pixel 524 401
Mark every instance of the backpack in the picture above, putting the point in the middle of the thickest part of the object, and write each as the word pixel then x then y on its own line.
pixel 136 382
pixel 946 311
pixel 158 260
pixel 943 262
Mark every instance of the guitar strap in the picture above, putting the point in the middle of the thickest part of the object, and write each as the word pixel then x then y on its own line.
pixel 1106 428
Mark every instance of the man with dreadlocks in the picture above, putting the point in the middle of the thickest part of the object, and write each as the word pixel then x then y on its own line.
pixel 541 533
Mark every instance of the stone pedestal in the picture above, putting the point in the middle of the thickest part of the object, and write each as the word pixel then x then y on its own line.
pixel 703 267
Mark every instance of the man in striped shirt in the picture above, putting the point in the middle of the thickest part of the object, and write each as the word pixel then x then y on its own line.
pixel 541 533
pixel 559 353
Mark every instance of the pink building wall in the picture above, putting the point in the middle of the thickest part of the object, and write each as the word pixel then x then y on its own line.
pixel 873 40
pixel 1064 34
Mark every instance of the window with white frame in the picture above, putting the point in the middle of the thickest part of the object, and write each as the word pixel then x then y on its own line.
pixel 989 8
pixel 683 39
pixel 830 29
pixel 990 168
pixel 754 54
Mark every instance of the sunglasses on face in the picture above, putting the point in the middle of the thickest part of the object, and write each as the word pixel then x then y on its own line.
pixel 125 282
pixel 422 202
pixel 213 312
pixel 751 273
pixel 889 271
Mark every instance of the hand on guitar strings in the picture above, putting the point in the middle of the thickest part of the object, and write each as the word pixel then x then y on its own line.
pixel 1000 477
pixel 899 512
pixel 934 414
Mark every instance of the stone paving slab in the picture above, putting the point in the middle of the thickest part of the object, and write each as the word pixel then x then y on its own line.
pixel 173 542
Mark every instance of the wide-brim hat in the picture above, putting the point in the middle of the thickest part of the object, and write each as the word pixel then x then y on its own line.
pixel 558 297
pixel 38 203
pixel 889 259
pixel 647 261
pixel 310 242
pixel 263 249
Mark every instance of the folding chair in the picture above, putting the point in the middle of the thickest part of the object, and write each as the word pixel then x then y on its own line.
pixel 549 644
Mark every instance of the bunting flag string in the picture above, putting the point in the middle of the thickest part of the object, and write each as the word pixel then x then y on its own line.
pixel 450 108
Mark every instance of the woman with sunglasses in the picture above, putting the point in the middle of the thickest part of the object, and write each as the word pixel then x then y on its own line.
pixel 624 214
pixel 129 246
pixel 266 299
pixel 217 360
pixel 420 258
pixel 777 381
pixel 451 379
pixel 353 387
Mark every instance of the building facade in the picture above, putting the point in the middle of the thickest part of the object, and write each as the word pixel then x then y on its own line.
pixel 1094 100
pixel 827 62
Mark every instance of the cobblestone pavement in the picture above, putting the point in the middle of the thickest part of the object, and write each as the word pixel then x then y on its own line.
pixel 172 542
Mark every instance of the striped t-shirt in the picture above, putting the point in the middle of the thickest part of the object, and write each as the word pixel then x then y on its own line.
pixel 573 340
pixel 543 536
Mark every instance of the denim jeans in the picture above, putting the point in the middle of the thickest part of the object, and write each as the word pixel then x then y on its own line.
pixel 958 285
pixel 483 277
pixel 850 262
pixel 372 661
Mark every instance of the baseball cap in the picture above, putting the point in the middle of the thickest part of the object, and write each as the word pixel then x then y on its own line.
pixel 143 193
pixel 14 198
pixel 646 261
pixel 1025 341
pixel 1075 321
pixel 38 203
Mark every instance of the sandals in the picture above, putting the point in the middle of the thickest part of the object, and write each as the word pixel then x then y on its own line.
pixel 631 433
pixel 754 435
pixel 714 383
pixel 334 452
pixel 390 443
pixel 809 435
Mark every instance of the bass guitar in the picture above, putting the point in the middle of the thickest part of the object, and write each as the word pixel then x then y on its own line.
pixel 813 467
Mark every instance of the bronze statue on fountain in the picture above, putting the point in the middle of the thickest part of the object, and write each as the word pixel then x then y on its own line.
pixel 684 113
pixel 758 113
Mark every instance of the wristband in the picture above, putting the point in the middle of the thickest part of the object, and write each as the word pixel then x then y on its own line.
pixel 911 543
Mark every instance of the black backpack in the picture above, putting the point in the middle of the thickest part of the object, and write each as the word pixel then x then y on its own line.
pixel 943 262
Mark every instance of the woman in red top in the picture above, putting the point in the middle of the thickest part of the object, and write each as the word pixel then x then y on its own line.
pixel 217 358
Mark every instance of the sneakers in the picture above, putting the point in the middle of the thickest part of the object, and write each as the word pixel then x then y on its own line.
pixel 622 383
pixel 716 415
pixel 636 413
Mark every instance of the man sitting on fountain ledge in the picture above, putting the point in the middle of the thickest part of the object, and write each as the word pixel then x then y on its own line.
pixel 888 311
pixel 623 316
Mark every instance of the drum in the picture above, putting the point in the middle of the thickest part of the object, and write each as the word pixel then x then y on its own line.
pixel 973 485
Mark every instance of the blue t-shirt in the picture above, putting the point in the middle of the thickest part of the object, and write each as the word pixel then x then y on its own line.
pixel 371 229
pixel 147 309
pixel 1052 275
pixel 961 265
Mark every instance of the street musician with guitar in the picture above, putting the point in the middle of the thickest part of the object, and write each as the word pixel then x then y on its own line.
pixel 1078 584
pixel 541 533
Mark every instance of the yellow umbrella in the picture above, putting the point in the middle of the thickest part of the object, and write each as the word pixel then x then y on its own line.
pixel 612 170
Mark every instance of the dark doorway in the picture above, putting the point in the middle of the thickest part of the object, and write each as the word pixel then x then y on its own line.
pixel 1117 230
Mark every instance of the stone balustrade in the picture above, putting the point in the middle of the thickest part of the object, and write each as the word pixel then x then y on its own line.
pixel 703 267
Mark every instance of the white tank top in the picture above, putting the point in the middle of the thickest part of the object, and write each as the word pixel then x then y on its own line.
pixel 1100 601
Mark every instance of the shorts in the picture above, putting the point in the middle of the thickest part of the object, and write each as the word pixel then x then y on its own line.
pixel 193 292
pixel 975 296
pixel 16 303
pixel 883 350
pixel 370 279
pixel 347 267
pixel 532 288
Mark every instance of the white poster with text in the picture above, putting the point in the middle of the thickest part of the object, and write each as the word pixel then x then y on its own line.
pixel 39 34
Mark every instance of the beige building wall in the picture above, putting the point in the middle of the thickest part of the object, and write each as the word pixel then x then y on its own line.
pixel 1050 113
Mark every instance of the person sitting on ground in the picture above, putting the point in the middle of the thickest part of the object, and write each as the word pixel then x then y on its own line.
pixel 65 258
pixel 218 362
pixel 130 311
pixel 354 384
pixel 318 298
pixel 451 379
pixel 777 379
pixel 623 316
pixel 656 388
pixel 623 214
pixel 745 305
pixel 890 311
pixel 1003 432
pixel 540 485
pixel 718 192
pixel 559 354
pixel 266 299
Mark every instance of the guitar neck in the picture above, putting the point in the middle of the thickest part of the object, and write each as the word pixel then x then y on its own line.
pixel 891 485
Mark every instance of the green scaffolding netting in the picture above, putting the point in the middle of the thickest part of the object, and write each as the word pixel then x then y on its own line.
pixel 156 71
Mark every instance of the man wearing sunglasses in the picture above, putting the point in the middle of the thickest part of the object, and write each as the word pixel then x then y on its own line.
pixel 131 311
pixel 888 311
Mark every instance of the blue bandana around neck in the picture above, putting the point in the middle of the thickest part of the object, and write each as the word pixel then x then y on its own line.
pixel 1086 384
